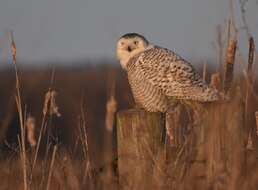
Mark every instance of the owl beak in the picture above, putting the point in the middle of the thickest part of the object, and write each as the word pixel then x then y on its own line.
pixel 129 48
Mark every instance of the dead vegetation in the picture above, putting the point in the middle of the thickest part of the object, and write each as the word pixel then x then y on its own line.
pixel 62 132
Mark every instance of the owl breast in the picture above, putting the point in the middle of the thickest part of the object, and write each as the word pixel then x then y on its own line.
pixel 145 94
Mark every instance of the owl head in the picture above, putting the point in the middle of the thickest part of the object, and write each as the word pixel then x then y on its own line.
pixel 130 45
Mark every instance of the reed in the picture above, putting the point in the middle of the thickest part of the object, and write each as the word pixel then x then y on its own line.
pixel 20 112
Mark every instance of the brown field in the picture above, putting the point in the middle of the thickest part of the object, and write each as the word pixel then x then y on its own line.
pixel 62 127
pixel 81 154
pixel 77 86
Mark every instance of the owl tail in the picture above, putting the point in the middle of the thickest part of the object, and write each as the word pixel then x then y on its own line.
pixel 204 95
pixel 209 95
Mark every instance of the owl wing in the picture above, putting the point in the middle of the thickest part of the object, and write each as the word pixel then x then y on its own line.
pixel 173 75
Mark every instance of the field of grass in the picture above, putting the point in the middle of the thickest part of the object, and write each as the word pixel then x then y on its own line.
pixel 82 90
pixel 62 127
pixel 78 151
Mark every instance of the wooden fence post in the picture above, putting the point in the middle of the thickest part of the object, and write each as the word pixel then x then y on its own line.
pixel 139 137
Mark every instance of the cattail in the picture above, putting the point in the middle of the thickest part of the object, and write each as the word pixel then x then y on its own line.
pixel 50 108
pixel 249 98
pixel 215 81
pixel 231 50
pixel 50 105
pixel 230 59
pixel 110 111
pixel 248 74
pixel 13 48
pixel 251 54
pixel 30 125
pixel 111 105
pixel 204 72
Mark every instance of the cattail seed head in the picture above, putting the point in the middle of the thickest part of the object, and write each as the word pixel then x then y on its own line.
pixel 50 105
pixel 30 125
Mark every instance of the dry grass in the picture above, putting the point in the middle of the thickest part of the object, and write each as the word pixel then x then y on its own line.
pixel 70 142
pixel 77 162
pixel 212 155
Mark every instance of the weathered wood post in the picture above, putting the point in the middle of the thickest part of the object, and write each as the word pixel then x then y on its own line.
pixel 139 139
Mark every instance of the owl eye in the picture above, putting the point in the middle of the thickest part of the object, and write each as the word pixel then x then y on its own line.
pixel 136 42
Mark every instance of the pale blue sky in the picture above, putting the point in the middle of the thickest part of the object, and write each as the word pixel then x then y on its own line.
pixel 66 30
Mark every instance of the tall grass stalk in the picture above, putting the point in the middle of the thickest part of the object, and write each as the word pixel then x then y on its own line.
pixel 48 104
pixel 20 112
pixel 51 167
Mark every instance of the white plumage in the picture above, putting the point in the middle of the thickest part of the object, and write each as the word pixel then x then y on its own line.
pixel 158 76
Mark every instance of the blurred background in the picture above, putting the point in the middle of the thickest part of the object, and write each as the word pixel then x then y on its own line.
pixel 72 44
pixel 67 31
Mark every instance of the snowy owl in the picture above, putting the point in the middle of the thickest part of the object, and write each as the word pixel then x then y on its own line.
pixel 158 76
